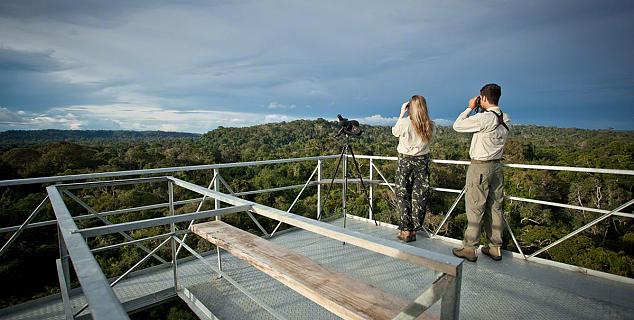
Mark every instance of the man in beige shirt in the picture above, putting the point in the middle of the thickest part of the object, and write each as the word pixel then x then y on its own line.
pixel 485 181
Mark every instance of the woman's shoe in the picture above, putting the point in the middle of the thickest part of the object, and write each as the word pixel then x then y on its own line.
pixel 402 235
pixel 406 236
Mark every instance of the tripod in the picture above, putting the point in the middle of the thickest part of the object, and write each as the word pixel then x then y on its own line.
pixel 344 155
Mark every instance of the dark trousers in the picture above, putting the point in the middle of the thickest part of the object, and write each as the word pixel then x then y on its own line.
pixel 412 190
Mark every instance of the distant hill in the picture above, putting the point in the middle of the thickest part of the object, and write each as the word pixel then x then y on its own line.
pixel 51 135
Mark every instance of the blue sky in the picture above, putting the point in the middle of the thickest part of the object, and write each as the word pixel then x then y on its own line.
pixel 195 65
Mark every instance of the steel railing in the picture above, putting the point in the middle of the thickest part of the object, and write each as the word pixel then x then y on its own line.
pixel 373 168
pixel 102 300
pixel 69 228
pixel 461 193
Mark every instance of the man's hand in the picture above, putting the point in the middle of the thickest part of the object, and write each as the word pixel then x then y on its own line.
pixel 472 102
pixel 404 108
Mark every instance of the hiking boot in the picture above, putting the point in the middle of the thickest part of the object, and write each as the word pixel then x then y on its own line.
pixel 493 252
pixel 466 253
pixel 406 236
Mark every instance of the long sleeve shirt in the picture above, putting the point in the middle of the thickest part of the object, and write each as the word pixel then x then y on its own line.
pixel 409 142
pixel 488 138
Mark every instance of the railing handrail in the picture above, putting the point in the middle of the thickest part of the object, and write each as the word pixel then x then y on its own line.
pixel 519 166
pixel 111 174
pixel 215 167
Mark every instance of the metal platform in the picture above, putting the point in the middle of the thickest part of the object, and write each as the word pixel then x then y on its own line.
pixel 510 289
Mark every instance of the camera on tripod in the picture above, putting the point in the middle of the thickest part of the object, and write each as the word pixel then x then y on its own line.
pixel 349 127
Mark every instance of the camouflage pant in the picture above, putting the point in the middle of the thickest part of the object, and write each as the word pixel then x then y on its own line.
pixel 412 190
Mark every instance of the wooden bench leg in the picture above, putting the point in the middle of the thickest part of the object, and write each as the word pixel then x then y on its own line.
pixel 217 206
pixel 434 293
pixel 450 304
pixel 219 261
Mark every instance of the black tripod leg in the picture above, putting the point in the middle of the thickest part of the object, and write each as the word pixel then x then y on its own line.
pixel 344 208
pixel 343 152
pixel 344 196
pixel 365 191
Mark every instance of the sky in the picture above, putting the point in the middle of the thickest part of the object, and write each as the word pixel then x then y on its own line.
pixel 195 65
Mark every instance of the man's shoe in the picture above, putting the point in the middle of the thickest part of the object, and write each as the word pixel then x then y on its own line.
pixel 493 252
pixel 406 236
pixel 466 253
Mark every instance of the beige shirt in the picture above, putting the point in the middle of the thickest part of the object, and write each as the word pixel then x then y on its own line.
pixel 409 142
pixel 488 141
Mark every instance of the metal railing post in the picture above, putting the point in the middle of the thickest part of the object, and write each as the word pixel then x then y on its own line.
pixel 63 273
pixel 344 209
pixel 450 303
pixel 319 189
pixel 64 289
pixel 63 256
pixel 170 187
pixel 371 199
pixel 217 206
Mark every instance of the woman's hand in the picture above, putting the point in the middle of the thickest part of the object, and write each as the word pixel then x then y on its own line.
pixel 404 108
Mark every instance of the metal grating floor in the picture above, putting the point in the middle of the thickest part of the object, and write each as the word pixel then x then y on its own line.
pixel 510 289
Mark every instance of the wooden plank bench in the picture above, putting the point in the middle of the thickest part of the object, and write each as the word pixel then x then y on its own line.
pixel 346 297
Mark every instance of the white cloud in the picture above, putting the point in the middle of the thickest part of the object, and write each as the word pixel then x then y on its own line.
pixel 277 105
pixel 129 117
pixel 6 116
pixel 443 122
pixel 277 118
pixel 378 119
pixel 24 120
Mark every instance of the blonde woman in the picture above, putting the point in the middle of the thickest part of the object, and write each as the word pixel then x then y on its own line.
pixel 415 131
